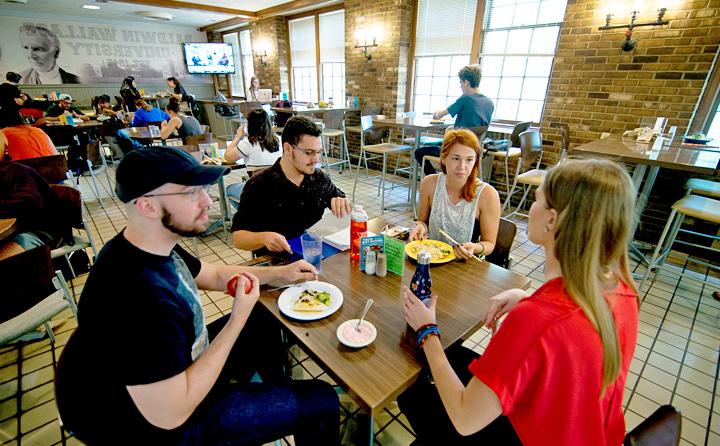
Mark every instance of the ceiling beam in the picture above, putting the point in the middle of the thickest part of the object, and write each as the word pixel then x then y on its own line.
pixel 235 21
pixel 189 6
pixel 289 6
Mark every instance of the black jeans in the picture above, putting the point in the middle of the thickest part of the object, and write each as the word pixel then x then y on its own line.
pixel 427 150
pixel 424 409
pixel 240 412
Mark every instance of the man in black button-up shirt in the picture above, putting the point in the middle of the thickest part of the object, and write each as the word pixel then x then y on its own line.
pixel 282 201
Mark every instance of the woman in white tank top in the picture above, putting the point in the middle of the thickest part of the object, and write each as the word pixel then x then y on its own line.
pixel 457 202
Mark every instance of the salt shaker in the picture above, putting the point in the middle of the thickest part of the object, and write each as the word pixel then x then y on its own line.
pixel 381 265
pixel 370 262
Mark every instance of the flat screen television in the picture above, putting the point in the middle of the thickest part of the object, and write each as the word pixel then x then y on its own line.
pixel 209 58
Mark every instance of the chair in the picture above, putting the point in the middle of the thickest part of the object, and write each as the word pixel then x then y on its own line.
pixel 503 244
pixel 695 207
pixel 382 150
pixel 194 140
pixel 332 130
pixel 512 152
pixel 32 295
pixel 72 207
pixel 662 428
pixel 52 168
pixel 706 188
pixel 531 153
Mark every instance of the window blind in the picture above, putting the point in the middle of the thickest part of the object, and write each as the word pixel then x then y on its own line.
pixel 302 42
pixel 444 27
pixel 332 36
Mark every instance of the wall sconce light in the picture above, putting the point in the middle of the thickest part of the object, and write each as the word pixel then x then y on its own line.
pixel 365 46
pixel 263 56
pixel 629 44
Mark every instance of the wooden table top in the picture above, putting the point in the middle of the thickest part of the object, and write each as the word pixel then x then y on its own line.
pixel 376 374
pixel 416 123
pixel 673 156
pixel 7 227
pixel 139 133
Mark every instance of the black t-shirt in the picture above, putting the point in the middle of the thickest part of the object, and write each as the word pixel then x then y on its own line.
pixel 140 322
pixel 473 110
pixel 179 89
pixel 8 94
pixel 271 202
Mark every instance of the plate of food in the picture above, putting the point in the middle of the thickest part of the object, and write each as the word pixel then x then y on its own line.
pixel 697 138
pixel 440 252
pixel 310 301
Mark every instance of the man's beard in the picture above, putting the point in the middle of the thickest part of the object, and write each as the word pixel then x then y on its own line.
pixel 174 228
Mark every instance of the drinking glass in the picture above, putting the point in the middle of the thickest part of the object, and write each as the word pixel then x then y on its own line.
pixel 312 250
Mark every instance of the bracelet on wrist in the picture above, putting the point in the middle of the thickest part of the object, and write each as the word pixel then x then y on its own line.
pixel 426 331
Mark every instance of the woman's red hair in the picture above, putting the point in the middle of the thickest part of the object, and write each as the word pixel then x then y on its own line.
pixel 469 139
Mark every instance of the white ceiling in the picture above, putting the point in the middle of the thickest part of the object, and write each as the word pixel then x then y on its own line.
pixel 124 13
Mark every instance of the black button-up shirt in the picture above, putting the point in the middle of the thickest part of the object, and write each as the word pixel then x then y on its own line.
pixel 271 202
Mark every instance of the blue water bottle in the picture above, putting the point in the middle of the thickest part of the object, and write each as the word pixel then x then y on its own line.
pixel 420 283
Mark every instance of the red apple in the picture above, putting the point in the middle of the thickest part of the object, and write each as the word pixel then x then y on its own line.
pixel 232 284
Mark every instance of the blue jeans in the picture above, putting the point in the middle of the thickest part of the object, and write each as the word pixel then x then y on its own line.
pixel 239 412
pixel 235 190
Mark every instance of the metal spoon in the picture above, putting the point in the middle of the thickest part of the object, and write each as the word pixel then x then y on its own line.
pixel 362 316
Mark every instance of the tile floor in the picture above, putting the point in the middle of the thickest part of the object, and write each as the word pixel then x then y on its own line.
pixel 676 360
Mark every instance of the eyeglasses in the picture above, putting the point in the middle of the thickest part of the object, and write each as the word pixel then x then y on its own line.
pixel 194 193
pixel 307 152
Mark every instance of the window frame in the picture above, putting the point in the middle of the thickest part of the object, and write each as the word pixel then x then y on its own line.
pixel 316 13
pixel 240 64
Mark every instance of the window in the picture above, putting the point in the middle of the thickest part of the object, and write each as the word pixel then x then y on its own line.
pixel 244 68
pixel 331 34
pixel 714 128
pixel 303 59
pixel 237 86
pixel 518 47
pixel 442 47
pixel 248 68
pixel 318 73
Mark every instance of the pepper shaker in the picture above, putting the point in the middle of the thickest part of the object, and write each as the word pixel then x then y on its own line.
pixel 381 265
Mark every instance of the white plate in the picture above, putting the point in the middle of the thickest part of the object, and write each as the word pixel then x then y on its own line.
pixel 354 344
pixel 288 298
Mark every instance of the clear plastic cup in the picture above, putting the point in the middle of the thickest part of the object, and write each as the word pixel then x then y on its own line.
pixel 312 250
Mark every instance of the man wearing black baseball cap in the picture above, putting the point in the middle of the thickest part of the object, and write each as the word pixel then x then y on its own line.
pixel 142 365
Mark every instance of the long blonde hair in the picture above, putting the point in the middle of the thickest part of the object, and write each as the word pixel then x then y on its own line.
pixel 595 203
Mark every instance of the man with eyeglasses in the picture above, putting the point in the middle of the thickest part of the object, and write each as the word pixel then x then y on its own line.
pixel 63 106
pixel 279 203
pixel 143 366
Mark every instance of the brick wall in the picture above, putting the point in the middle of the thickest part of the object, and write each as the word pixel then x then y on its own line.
pixel 595 87
pixel 271 33
pixel 380 82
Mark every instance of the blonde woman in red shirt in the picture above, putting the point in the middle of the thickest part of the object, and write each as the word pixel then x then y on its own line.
pixel 555 370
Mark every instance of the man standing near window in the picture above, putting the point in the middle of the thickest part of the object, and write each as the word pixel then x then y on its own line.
pixel 472 109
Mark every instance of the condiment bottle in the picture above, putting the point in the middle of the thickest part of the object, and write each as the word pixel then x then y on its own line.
pixel 358 229
pixel 420 283
pixel 381 265
pixel 370 262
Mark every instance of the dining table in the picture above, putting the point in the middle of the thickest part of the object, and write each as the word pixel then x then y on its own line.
pixel 7 227
pixel 376 374
pixel 648 159
pixel 140 133
pixel 299 109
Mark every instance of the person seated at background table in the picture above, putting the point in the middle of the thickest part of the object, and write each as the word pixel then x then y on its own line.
pixel 20 141
pixel 254 89
pixel 457 201
pixel 167 378
pixel 565 350
pixel 472 109
pixel 282 201
pixel 27 197
pixel 178 91
pixel 185 125
pixel 146 114
pixel 129 93
pixel 103 106
pixel 64 105
pixel 260 149
pixel 10 97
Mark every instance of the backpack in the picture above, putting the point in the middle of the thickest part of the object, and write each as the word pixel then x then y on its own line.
pixel 225 110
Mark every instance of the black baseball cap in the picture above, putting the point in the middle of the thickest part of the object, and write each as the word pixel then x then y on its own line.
pixel 143 170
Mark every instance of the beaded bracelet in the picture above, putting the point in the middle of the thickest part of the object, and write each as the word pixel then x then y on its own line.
pixel 425 332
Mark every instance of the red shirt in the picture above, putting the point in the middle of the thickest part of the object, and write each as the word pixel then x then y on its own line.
pixel 545 366
pixel 25 141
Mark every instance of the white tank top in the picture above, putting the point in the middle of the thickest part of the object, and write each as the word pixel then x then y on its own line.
pixel 457 220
